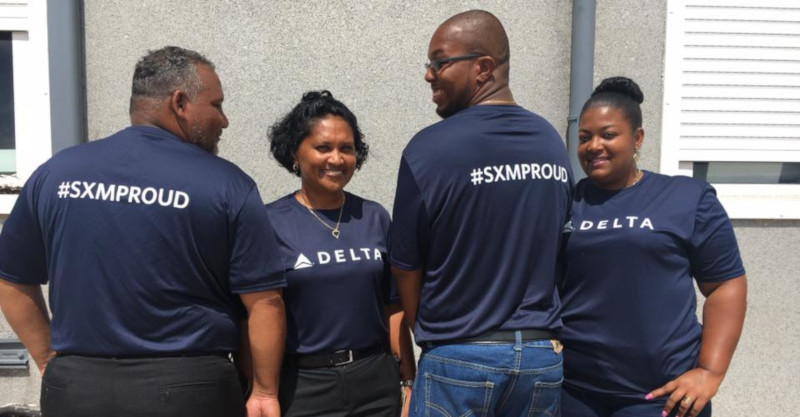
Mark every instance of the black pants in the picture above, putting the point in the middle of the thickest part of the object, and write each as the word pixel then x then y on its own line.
pixel 201 386
pixel 366 387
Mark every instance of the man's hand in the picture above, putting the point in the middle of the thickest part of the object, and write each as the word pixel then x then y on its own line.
pixel 25 310
pixel 42 365
pixel 263 406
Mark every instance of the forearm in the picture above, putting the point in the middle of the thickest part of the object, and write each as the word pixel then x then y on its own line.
pixel 400 340
pixel 244 359
pixel 266 326
pixel 408 363
pixel 723 318
pixel 409 287
pixel 26 313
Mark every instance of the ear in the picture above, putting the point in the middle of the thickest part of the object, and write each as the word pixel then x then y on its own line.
pixel 638 138
pixel 177 103
pixel 486 66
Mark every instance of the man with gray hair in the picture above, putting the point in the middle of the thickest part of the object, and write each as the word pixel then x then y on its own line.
pixel 153 247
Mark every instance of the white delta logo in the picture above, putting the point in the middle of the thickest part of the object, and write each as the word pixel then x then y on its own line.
pixel 628 222
pixel 340 256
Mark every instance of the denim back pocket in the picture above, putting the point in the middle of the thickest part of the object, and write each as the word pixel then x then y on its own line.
pixel 546 399
pixel 447 397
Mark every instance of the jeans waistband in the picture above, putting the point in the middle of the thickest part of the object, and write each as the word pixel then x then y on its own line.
pixel 500 336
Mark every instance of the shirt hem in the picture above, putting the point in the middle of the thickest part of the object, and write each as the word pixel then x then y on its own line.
pixel 258 288
pixel 404 266
pixel 17 280
pixel 724 277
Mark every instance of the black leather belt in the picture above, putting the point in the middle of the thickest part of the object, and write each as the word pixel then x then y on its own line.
pixel 338 358
pixel 502 336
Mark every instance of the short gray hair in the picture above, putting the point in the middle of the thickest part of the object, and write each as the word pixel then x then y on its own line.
pixel 161 72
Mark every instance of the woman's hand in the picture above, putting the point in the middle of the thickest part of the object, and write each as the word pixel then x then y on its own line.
pixel 406 401
pixel 690 392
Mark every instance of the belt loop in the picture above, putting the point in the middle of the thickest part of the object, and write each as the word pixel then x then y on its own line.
pixel 518 340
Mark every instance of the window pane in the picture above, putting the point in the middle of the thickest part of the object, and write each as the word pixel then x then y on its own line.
pixel 748 172
pixel 7 130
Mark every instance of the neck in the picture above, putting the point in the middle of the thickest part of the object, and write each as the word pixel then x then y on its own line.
pixel 156 113
pixel 320 200
pixel 637 175
pixel 497 96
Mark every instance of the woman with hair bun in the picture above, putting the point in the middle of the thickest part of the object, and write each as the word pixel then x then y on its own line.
pixel 340 295
pixel 633 345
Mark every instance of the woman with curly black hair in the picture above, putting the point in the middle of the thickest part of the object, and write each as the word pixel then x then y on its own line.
pixel 632 342
pixel 340 293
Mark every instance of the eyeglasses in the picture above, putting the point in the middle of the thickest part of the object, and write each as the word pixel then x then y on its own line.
pixel 436 64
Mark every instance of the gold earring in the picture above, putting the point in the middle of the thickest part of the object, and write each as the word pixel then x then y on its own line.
pixel 295 168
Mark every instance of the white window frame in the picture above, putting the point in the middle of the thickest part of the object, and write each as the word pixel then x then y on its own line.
pixel 27 20
pixel 741 201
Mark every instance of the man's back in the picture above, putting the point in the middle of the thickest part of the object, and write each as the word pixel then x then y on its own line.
pixel 490 188
pixel 138 235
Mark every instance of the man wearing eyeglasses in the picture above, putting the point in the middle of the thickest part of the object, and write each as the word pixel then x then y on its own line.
pixel 482 197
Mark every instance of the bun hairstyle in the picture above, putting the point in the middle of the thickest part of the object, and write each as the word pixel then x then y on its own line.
pixel 621 93
pixel 316 95
pixel 286 134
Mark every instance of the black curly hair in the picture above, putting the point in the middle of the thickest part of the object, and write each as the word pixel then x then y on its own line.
pixel 621 93
pixel 285 135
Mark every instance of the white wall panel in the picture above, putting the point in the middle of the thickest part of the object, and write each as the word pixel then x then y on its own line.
pixel 732 87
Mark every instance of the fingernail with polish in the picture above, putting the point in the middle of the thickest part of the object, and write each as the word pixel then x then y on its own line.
pixel 663 414
pixel 648 397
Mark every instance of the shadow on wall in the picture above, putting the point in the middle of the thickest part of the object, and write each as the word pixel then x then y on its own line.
pixel 18 411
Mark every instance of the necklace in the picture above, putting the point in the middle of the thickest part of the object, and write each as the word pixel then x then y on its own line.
pixel 334 230
pixel 637 177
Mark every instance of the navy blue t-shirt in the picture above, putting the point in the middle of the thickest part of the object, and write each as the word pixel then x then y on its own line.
pixel 628 296
pixel 143 239
pixel 337 288
pixel 482 198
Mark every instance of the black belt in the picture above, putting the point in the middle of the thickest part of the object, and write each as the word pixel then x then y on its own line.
pixel 501 336
pixel 338 358
pixel 154 355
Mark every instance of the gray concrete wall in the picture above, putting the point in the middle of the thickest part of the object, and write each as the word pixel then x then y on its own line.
pixel 763 379
pixel 370 55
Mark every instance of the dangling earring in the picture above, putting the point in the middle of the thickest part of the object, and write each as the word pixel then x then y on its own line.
pixel 635 154
pixel 295 168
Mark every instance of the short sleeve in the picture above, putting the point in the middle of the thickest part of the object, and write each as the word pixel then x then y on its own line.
pixel 388 287
pixel 410 226
pixel 23 259
pixel 256 263
pixel 714 253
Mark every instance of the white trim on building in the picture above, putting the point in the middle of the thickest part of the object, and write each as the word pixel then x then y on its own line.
pixel 732 94
pixel 27 20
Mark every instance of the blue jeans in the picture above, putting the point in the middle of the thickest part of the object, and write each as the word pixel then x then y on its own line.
pixel 518 379
pixel 579 403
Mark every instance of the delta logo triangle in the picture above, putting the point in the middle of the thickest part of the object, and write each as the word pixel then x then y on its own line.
pixel 302 262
